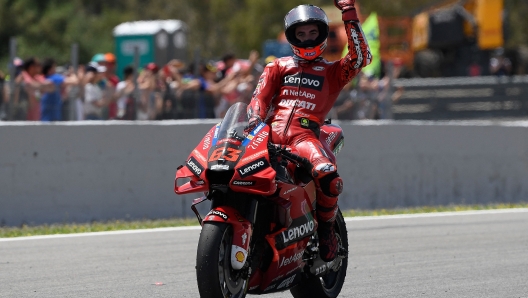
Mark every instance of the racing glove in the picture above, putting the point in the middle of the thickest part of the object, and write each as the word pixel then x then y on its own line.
pixel 348 11
pixel 252 123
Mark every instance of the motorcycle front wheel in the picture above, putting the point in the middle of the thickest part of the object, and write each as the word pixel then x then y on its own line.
pixel 215 276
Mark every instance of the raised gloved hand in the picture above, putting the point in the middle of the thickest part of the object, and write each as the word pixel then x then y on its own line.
pixel 347 9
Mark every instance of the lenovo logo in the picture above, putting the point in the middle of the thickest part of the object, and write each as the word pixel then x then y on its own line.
pixel 301 227
pixel 194 166
pixel 218 213
pixel 298 232
pixel 255 167
pixel 306 80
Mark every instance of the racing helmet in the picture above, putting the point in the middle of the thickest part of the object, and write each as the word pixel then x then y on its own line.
pixel 303 15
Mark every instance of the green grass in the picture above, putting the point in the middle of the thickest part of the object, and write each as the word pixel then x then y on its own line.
pixel 430 209
pixel 68 228
pixel 116 225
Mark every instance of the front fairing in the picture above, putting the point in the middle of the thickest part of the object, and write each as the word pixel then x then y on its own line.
pixel 230 158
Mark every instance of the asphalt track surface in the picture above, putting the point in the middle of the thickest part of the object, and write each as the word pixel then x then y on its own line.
pixel 475 254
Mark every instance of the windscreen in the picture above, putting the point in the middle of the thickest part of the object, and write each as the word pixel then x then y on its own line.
pixel 234 122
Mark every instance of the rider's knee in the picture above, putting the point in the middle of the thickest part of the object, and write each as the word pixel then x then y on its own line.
pixel 331 184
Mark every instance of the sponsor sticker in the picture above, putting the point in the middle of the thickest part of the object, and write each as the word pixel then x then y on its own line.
pixel 289 190
pixel 195 166
pixel 300 228
pixel 258 128
pixel 271 287
pixel 318 68
pixel 286 283
pixel 253 156
pixel 331 137
pixel 305 122
pixel 309 81
pixel 357 48
pixel 243 183
pixel 308 95
pixel 244 238
pixel 253 168
pixel 240 257
pixel 199 155
pixel 320 269
pixel 259 139
pixel 220 167
pixel 292 259
pixel 207 141
pixel 300 104
pixel 218 213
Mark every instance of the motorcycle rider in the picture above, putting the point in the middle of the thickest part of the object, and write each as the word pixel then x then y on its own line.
pixel 294 94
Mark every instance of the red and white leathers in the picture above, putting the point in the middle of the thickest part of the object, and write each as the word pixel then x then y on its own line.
pixel 291 91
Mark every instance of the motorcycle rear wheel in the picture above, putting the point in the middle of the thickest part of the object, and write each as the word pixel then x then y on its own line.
pixel 215 277
pixel 329 285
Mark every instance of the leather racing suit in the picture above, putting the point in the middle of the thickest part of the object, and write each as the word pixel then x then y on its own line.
pixel 294 96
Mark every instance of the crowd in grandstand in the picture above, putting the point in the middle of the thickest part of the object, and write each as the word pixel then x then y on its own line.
pixel 44 91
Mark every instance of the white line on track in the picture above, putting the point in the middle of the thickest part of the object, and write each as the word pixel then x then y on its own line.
pixel 397 216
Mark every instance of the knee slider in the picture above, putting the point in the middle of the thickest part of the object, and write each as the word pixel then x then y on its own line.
pixel 331 184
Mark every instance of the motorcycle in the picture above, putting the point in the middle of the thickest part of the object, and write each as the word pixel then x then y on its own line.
pixel 260 235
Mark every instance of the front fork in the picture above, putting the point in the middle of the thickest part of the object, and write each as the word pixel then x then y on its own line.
pixel 242 227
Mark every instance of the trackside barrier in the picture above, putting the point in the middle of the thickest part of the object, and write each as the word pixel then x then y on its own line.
pixel 102 170
pixel 487 97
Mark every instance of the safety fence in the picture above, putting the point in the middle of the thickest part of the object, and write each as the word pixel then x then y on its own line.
pixel 22 102
pixel 462 98
pixel 400 99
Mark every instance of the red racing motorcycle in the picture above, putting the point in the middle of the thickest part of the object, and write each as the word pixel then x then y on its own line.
pixel 260 235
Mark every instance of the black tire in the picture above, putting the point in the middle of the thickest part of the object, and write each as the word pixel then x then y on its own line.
pixel 329 285
pixel 214 275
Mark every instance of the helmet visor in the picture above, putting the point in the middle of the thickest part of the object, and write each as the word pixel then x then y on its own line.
pixel 304 13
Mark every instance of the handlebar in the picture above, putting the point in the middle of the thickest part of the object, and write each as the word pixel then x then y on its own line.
pixel 299 160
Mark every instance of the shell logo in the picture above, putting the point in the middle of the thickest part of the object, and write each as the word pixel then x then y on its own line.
pixel 240 256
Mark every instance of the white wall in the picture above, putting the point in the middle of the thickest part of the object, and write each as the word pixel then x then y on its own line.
pixel 107 170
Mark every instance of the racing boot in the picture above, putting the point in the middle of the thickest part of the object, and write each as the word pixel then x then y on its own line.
pixel 331 185
pixel 328 244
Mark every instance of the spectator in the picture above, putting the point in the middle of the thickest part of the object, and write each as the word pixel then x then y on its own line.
pixel 94 100
pixel 172 79
pixel 51 103
pixel 499 64
pixel 387 95
pixel 196 92
pixel 239 85
pixel 112 81
pixel 125 100
pixel 228 61
pixel 148 83
pixel 99 58
pixel 345 105
pixel 15 101
pixel 76 92
pixel 34 85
